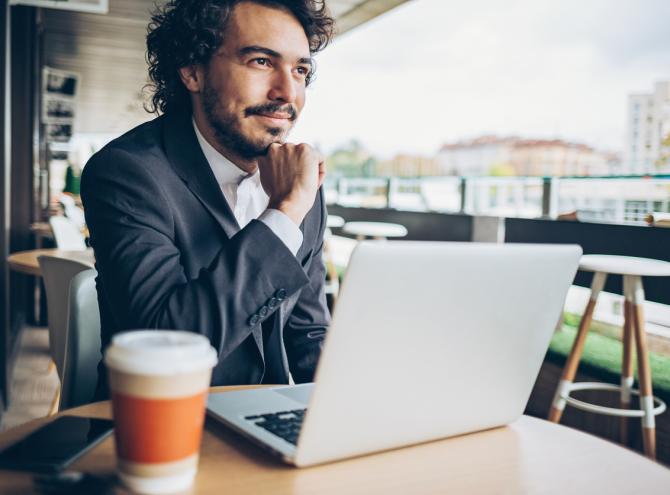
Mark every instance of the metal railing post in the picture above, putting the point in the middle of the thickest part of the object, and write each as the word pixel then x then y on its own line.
pixel 462 189
pixel 390 183
pixel 548 199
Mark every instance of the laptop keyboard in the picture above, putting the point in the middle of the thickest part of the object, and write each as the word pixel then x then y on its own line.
pixel 285 424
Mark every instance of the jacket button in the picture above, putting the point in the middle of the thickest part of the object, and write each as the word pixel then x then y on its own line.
pixel 263 311
pixel 272 302
pixel 253 320
pixel 280 294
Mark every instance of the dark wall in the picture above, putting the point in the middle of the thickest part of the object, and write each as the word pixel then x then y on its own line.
pixel 626 240
pixel 5 149
pixel 24 90
pixel 25 86
pixel 21 80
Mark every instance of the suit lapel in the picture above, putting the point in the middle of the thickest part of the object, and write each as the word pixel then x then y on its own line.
pixel 187 159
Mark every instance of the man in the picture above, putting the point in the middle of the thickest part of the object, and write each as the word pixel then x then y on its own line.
pixel 205 219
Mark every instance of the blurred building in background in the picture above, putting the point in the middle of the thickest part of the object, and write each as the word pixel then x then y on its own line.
pixel 648 131
pixel 514 156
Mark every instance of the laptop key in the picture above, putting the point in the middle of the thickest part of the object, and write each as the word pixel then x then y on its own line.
pixel 285 424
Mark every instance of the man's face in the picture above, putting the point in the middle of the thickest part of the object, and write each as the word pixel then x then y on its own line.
pixel 254 85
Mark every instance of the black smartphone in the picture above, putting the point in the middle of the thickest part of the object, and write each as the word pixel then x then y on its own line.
pixel 56 445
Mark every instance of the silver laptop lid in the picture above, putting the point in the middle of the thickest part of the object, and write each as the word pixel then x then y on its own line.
pixel 431 340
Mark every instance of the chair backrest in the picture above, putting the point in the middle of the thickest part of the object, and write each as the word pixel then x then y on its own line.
pixel 72 211
pixel 67 234
pixel 57 274
pixel 82 349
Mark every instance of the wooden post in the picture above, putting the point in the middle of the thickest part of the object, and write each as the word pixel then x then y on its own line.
pixel 570 369
pixel 644 371
pixel 627 378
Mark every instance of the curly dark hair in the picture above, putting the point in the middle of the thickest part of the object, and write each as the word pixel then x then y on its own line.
pixel 188 32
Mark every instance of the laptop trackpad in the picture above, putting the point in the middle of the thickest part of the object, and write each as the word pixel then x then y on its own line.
pixel 298 393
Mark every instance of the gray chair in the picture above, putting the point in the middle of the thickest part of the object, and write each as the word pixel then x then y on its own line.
pixel 82 344
pixel 57 274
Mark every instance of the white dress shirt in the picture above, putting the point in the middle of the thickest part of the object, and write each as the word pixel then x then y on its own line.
pixel 246 197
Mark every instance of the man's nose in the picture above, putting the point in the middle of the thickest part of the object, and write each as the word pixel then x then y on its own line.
pixel 284 86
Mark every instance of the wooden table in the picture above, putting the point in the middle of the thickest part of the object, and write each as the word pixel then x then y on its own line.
pixel 26 261
pixel 529 456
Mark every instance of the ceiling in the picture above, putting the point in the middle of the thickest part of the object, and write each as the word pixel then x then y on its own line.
pixel 108 53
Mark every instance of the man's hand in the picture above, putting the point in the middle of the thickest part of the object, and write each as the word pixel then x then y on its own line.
pixel 291 174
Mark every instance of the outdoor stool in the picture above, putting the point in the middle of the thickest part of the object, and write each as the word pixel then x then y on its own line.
pixel 632 270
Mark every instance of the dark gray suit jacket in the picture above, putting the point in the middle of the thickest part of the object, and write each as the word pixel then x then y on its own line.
pixel 169 256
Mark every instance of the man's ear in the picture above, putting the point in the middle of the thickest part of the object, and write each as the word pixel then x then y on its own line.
pixel 193 77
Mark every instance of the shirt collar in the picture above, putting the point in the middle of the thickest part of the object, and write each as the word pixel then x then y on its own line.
pixel 225 171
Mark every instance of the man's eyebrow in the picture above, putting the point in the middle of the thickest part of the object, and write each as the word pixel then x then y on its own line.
pixel 306 60
pixel 272 53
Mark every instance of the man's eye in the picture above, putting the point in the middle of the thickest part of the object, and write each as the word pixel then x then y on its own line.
pixel 261 61
pixel 303 71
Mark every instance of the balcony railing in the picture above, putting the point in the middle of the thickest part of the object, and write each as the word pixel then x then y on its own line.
pixel 612 199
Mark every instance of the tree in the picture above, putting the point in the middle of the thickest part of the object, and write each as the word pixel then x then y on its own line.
pixel 351 160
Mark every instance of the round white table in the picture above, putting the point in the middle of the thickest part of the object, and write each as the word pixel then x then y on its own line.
pixel 334 222
pixel 375 230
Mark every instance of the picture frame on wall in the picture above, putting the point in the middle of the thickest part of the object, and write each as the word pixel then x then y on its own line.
pixel 88 6
pixel 59 83
pixel 56 110
pixel 59 103
pixel 59 133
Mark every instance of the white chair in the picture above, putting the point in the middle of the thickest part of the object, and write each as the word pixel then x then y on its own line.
pixel 72 211
pixel 57 274
pixel 67 234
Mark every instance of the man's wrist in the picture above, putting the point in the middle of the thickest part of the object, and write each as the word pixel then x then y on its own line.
pixel 295 213
pixel 284 228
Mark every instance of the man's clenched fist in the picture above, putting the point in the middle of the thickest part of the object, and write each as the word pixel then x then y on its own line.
pixel 291 174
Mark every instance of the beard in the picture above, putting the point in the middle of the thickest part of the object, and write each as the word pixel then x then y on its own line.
pixel 228 129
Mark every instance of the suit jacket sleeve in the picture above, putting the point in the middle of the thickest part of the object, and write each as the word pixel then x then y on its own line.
pixel 132 226
pixel 306 326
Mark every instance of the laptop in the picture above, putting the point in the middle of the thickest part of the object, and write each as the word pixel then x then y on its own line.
pixel 428 340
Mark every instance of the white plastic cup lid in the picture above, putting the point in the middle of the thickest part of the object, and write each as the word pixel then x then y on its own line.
pixel 160 352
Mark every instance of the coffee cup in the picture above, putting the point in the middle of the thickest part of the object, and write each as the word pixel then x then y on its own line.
pixel 159 381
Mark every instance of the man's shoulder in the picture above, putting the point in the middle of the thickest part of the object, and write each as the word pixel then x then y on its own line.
pixel 140 147
pixel 144 139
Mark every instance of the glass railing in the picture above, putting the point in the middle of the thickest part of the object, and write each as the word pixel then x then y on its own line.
pixel 503 196
pixel 612 199
pixel 616 199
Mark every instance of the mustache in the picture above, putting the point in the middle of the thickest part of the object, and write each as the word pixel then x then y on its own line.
pixel 272 108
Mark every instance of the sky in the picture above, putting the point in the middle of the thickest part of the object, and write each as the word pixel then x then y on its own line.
pixel 436 71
